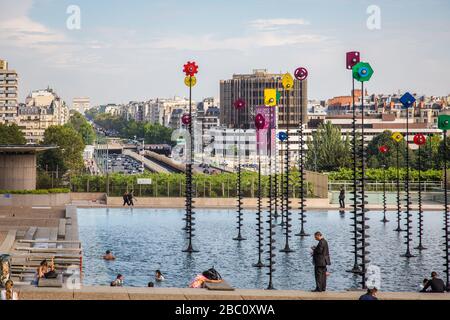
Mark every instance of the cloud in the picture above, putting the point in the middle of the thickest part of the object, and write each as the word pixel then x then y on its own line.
pixel 275 24
pixel 20 31
pixel 258 33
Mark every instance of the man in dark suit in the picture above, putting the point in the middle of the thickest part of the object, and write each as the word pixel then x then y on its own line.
pixel 321 259
pixel 436 284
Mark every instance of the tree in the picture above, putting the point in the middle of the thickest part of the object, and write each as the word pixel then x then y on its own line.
pixel 430 153
pixel 444 151
pixel 157 134
pixel 328 151
pixel 68 155
pixel 91 113
pixel 375 158
pixel 11 134
pixel 78 122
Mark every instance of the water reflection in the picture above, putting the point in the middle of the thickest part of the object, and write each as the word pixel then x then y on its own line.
pixel 145 240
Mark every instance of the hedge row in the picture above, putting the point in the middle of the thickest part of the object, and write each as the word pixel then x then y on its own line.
pixel 39 191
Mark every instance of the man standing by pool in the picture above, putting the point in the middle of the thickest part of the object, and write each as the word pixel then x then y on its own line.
pixel 321 259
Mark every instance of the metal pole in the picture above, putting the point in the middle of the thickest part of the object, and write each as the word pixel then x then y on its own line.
pixel 287 201
pixel 283 177
pixel 362 227
pixel 239 183
pixel 384 220
pixel 407 198
pixel 420 222
pixel 259 227
pixel 302 172
pixel 142 155
pixel 399 228
pixel 189 191
pixel 270 225
pixel 446 216
pixel 355 196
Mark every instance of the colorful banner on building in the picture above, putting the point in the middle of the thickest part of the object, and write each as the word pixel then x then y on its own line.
pixel 264 136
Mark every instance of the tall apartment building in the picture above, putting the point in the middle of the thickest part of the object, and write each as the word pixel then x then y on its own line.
pixel 250 87
pixel 81 104
pixel 8 93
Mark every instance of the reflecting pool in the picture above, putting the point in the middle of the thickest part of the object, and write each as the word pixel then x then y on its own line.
pixel 144 240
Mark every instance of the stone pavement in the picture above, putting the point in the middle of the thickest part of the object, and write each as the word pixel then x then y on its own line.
pixel 131 293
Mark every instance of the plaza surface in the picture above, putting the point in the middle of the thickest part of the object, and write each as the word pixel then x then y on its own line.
pixel 127 293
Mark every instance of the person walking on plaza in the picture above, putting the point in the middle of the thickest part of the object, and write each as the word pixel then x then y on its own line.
pixel 321 259
pixel 130 198
pixel 125 199
pixel 342 198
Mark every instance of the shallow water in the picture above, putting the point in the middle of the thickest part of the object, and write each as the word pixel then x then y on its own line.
pixel 144 240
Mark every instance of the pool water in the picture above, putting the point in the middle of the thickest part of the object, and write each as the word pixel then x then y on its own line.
pixel 144 240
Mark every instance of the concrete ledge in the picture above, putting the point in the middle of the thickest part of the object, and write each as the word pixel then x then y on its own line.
pixel 155 294
pixel 213 203
pixel 8 243
pixel 101 293
pixel 33 293
pixel 30 200
pixel 130 293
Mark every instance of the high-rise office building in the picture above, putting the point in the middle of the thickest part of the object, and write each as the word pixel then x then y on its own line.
pixel 8 93
pixel 250 87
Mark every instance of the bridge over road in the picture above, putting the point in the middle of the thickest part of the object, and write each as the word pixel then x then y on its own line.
pixel 151 165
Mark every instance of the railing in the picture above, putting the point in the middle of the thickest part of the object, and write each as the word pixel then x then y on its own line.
pixel 176 188
pixel 426 186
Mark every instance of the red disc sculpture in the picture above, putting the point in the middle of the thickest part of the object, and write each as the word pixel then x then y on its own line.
pixel 383 149
pixel 420 139
pixel 190 69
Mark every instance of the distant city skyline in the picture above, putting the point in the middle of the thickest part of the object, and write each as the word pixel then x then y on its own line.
pixel 135 50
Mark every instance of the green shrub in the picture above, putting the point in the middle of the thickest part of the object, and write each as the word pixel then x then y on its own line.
pixel 38 191
pixel 391 174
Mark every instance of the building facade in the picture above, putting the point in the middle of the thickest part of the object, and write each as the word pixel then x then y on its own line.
pixel 42 109
pixel 8 93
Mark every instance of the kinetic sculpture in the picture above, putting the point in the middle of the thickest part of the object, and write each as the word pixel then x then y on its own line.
pixel 419 140
pixel 282 136
pixel 362 72
pixel 301 74
pixel 384 150
pixel 190 69
pixel 270 100
pixel 288 84
pixel 260 123
pixel 407 101
pixel 239 105
pixel 444 124
pixel 353 58
pixel 398 137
